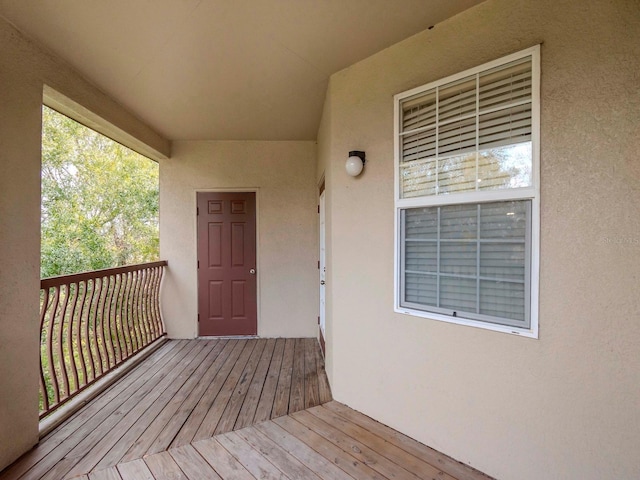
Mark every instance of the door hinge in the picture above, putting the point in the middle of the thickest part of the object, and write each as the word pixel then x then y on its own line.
pixel 318 208
pixel 318 320
pixel 198 263
pixel 197 210
pixel 318 264
pixel 198 318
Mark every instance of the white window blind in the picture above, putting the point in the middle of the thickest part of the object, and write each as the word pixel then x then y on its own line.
pixel 460 136
pixel 467 200
pixel 469 259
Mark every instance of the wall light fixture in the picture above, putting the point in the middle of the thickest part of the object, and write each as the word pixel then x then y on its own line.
pixel 355 163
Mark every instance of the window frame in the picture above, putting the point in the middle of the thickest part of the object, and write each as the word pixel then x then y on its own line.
pixel 531 193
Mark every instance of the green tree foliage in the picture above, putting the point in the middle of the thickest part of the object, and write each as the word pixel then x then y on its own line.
pixel 99 200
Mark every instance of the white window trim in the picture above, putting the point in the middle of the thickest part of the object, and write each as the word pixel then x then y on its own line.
pixel 530 193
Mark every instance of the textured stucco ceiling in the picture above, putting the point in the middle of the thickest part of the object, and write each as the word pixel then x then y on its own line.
pixel 222 69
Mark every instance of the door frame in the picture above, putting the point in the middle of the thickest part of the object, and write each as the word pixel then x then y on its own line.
pixel 322 264
pixel 194 201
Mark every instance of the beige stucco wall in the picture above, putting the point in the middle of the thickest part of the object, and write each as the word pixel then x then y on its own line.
pixel 566 406
pixel 24 70
pixel 283 173
pixel 20 118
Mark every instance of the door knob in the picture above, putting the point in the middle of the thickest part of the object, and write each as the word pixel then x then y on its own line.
pixel 322 282
pixel 252 271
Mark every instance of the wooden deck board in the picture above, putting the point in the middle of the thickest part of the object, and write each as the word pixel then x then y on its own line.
pixel 256 464
pixel 447 464
pixel 354 447
pixel 339 457
pixel 135 470
pixel 225 464
pixel 279 457
pixel 267 396
pixel 129 384
pixel 107 474
pixel 296 397
pixel 281 401
pixel 162 465
pixel 135 415
pixel 311 394
pixel 315 461
pixel 324 390
pixel 214 415
pixel 92 414
pixel 379 445
pixel 250 405
pixel 197 415
pixel 158 423
pixel 154 410
pixel 192 464
pixel 78 442
pixel 177 422
pixel 239 393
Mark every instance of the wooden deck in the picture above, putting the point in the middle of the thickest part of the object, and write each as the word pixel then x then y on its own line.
pixel 231 409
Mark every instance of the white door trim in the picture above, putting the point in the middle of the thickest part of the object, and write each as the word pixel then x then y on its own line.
pixel 322 265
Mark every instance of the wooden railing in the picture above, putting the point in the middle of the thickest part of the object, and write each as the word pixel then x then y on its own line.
pixel 92 322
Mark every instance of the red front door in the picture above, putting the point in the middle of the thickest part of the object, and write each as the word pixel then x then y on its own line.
pixel 227 289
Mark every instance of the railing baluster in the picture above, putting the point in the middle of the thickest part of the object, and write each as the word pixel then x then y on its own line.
pixel 111 319
pixel 79 320
pixel 124 318
pixel 43 312
pixel 82 334
pixel 141 306
pixel 113 330
pixel 117 318
pixel 106 329
pixel 92 340
pixel 145 306
pixel 152 287
pixel 50 325
pixel 153 273
pixel 71 335
pixel 136 307
pixel 156 302
pixel 133 313
pixel 154 299
pixel 127 311
pixel 98 328
pixel 85 316
pixel 60 341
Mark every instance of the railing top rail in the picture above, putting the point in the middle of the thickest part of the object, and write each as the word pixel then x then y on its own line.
pixel 84 276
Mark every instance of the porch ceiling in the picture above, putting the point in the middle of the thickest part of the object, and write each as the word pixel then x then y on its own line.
pixel 222 69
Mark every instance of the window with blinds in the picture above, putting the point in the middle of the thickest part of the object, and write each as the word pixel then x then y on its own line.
pixel 467 200
pixel 468 135
pixel 469 260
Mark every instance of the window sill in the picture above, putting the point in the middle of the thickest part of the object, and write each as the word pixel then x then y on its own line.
pixel 521 332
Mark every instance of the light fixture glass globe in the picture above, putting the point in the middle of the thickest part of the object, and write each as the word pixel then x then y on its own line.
pixel 354 166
